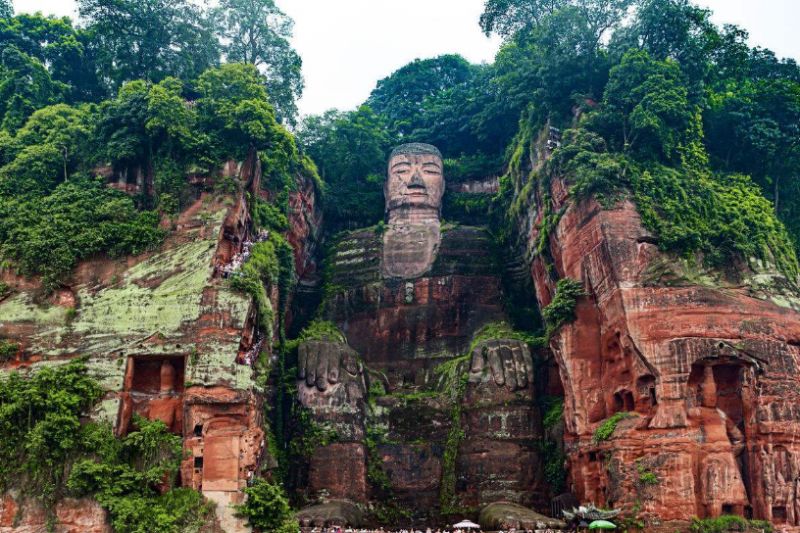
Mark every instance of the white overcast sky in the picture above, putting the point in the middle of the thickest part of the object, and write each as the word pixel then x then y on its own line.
pixel 348 45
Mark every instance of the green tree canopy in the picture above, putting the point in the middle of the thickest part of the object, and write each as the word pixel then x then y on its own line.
pixel 400 97
pixel 25 86
pixel 645 106
pixel 257 32
pixel 150 39
pixel 68 53
pixel 350 151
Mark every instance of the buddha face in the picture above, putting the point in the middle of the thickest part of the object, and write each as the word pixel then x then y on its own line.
pixel 415 181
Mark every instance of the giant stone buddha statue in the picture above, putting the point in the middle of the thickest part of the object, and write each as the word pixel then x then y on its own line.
pixel 408 301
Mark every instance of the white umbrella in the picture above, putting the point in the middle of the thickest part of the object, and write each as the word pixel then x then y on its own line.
pixel 466 524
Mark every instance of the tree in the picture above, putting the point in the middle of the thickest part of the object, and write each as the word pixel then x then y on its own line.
pixel 350 151
pixel 48 234
pixel 257 32
pixel 149 39
pixel 267 509
pixel 676 30
pixel 6 9
pixel 400 97
pixel 66 52
pixel 25 86
pixel 234 109
pixel 510 17
pixel 67 129
pixel 645 107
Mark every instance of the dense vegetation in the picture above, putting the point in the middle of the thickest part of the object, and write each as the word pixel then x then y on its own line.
pixel 139 88
pixel 653 101
pixel 47 452
pixel 700 129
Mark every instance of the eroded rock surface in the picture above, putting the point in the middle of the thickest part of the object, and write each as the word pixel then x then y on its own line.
pixel 169 339
pixel 706 368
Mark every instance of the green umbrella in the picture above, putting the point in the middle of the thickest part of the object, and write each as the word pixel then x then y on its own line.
pixel 602 524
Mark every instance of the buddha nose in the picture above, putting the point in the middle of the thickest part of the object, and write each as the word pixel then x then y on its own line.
pixel 416 182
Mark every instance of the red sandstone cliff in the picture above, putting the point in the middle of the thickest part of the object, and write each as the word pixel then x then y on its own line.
pixel 168 339
pixel 707 368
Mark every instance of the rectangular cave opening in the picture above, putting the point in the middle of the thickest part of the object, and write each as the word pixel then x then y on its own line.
pixel 729 391
pixel 156 374
pixel 727 508
pixel 779 514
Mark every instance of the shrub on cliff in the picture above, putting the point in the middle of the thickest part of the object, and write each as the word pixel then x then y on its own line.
pixel 48 235
pixel 561 309
pixel 726 523
pixel 47 452
pixel 267 509
pixel 606 429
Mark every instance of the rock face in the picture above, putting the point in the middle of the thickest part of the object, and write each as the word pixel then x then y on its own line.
pixel 169 339
pixel 707 370
pixel 73 516
pixel 680 386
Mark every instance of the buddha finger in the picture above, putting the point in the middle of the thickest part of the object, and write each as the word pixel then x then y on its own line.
pixel 333 365
pixel 323 362
pixel 495 362
pixel 478 359
pixel 518 353
pixel 302 360
pixel 509 369
pixel 311 365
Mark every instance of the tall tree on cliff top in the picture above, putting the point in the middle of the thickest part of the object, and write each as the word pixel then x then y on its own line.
pixel 6 9
pixel 510 17
pixel 258 32
pixel 150 39
pixel 400 97
pixel 66 52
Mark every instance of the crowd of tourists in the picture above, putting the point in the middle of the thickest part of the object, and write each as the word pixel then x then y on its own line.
pixel 337 529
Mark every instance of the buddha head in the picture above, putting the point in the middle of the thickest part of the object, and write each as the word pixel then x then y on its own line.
pixel 415 179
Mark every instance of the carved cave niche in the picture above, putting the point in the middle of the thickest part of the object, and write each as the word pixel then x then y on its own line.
pixel 622 401
pixel 727 387
pixel 151 375
pixel 782 461
pixel 779 514
pixel 153 389
pixel 646 398
pixel 718 385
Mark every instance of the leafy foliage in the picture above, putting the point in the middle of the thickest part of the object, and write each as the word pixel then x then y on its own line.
pixel 125 476
pixel 724 217
pixel 725 523
pixel 8 350
pixel 40 426
pixel 322 330
pixel 350 151
pixel 561 310
pixel 47 452
pixel 150 39
pixel 48 235
pixel 399 97
pixel 266 266
pixel 606 429
pixel 258 33
pixel 266 508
